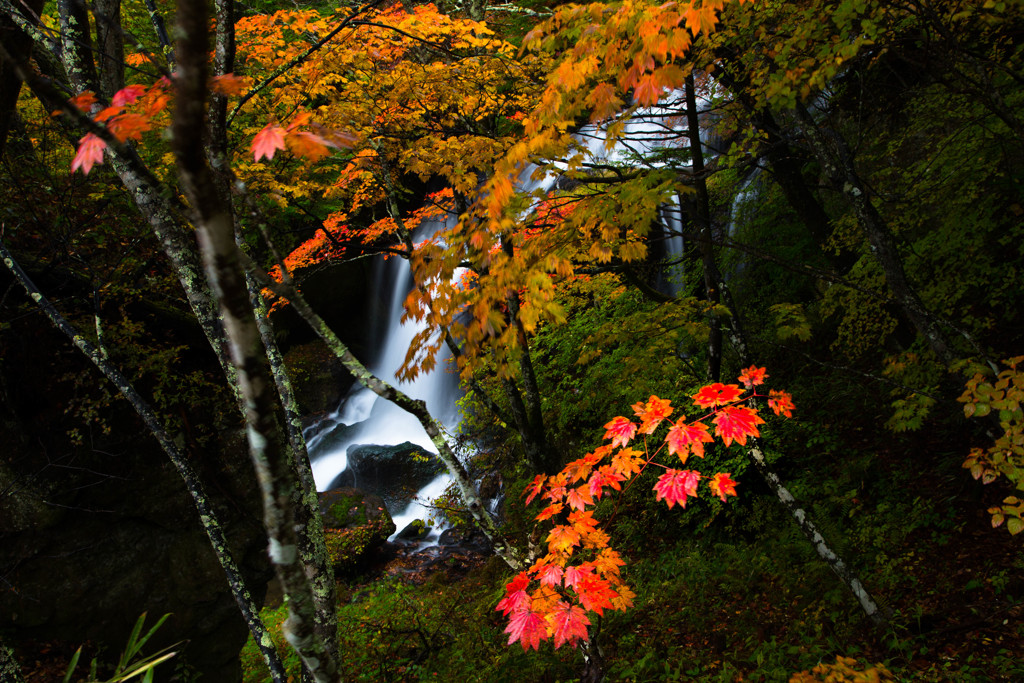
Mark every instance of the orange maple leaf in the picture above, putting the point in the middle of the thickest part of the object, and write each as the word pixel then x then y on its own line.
pixel 562 538
pixel 652 413
pixel 722 485
pixel 228 84
pixel 781 403
pixel 129 126
pixel 685 439
pixel 716 394
pixel 627 462
pixel 753 376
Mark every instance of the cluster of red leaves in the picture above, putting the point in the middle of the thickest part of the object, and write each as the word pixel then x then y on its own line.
pixel 580 573
pixel 301 143
pixel 130 114
pixel 134 109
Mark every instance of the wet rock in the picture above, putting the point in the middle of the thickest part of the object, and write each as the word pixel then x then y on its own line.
pixel 416 530
pixel 395 473
pixel 464 538
pixel 318 378
pixel 356 524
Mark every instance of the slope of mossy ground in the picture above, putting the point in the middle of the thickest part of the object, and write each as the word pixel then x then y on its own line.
pixel 744 598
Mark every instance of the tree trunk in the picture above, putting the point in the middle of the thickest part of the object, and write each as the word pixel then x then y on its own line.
pixel 279 484
pixel 807 527
pixel 837 160
pixel 702 218
pixel 109 46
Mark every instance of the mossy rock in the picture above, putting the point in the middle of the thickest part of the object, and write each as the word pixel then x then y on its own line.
pixel 319 380
pixel 355 524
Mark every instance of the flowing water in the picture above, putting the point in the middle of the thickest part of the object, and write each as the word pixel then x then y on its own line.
pixel 365 418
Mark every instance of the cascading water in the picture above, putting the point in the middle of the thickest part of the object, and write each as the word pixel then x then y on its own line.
pixel 363 418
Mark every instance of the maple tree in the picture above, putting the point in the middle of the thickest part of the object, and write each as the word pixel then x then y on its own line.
pixel 580 574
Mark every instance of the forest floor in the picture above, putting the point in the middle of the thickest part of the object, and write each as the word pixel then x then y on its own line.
pixel 722 604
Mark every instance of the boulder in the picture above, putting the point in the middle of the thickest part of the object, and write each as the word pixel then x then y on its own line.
pixel 416 530
pixel 395 473
pixel 356 523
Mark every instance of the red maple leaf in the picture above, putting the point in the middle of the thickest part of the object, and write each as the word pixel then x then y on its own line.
pixel 753 376
pixel 781 403
pixel 534 488
pixel 268 141
pixel 652 413
pixel 606 476
pixel 90 153
pixel 551 575
pixel 620 431
pixel 127 95
pixel 675 486
pixel 722 485
pixel 685 439
pixel 570 623
pixel 716 394
pixel 528 627
pixel 736 423
pixel 515 594
pixel 573 575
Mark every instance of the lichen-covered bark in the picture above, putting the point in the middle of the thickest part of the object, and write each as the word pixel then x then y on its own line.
pixel 207 515
pixel 810 531
pixel 76 45
pixel 279 484
pixel 313 543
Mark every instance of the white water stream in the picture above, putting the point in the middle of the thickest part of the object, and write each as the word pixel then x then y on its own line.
pixel 379 422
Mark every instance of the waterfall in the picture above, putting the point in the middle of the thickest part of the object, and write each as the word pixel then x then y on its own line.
pixel 363 418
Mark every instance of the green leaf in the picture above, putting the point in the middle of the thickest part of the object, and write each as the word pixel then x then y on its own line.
pixel 72 664
pixel 1015 525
